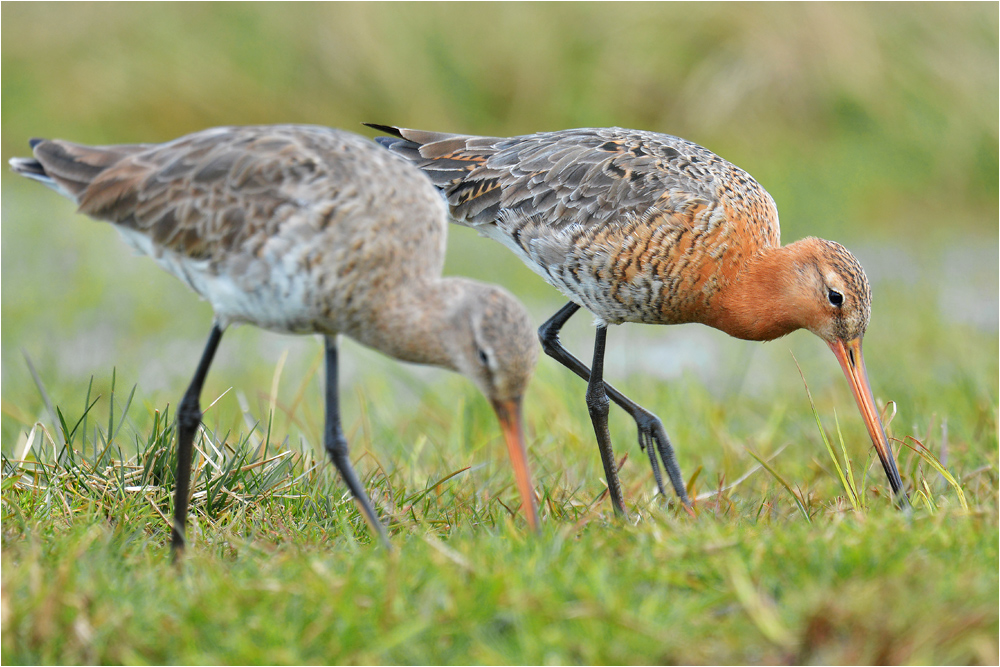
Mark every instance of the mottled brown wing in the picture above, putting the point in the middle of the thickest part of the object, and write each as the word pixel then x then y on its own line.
pixel 582 177
pixel 202 193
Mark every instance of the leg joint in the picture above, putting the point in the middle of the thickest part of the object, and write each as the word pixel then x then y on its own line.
pixel 548 336
pixel 597 401
pixel 336 444
pixel 189 413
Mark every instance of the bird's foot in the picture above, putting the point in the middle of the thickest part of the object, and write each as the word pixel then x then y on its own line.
pixel 654 440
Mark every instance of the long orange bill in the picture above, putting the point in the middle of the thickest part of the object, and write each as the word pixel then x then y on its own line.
pixel 849 356
pixel 509 415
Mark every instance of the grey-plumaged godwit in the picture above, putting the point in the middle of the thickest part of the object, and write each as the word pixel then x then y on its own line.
pixel 643 227
pixel 302 229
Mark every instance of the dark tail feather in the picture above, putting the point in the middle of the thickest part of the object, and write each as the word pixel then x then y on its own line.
pixel 443 157
pixel 398 144
pixel 401 136
pixel 28 166
pixel 69 168
pixel 31 168
pixel 388 129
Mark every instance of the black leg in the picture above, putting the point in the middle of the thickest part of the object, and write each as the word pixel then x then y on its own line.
pixel 336 443
pixel 188 420
pixel 651 431
pixel 597 404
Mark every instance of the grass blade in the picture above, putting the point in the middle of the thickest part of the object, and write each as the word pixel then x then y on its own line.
pixel 774 473
pixel 847 476
pixel 848 487
pixel 41 390
pixel 926 455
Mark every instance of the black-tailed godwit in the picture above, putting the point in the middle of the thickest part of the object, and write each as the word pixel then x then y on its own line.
pixel 302 229
pixel 643 227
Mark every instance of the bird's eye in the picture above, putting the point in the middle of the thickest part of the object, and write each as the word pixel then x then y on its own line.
pixel 484 358
pixel 835 297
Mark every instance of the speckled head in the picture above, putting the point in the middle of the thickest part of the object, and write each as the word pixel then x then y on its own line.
pixel 500 347
pixel 841 294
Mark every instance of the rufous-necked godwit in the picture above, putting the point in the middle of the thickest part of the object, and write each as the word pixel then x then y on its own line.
pixel 643 227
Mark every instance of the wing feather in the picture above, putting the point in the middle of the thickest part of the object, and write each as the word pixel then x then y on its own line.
pixel 203 193
pixel 582 177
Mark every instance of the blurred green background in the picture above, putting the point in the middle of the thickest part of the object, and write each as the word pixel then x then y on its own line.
pixel 875 125
pixel 871 124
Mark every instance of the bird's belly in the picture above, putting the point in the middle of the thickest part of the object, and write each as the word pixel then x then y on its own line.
pixel 553 272
pixel 644 299
pixel 596 282
pixel 276 295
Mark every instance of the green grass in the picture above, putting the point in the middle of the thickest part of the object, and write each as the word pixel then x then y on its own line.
pixel 671 590
pixel 874 125
pixel 282 569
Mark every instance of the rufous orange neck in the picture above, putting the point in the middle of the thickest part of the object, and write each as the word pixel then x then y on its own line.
pixel 769 297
